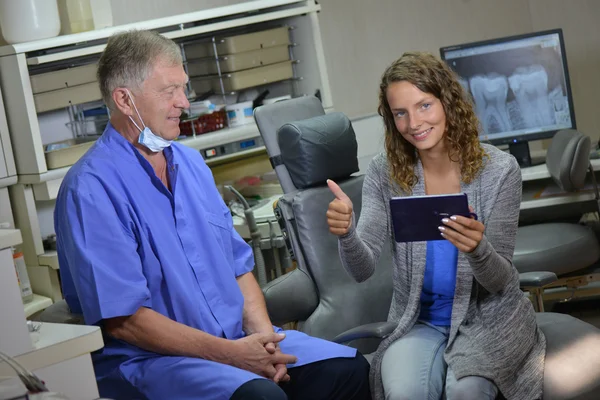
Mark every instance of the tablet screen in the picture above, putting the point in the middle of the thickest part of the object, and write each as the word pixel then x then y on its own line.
pixel 417 218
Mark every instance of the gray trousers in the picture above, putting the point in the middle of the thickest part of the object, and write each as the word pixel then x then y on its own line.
pixel 413 368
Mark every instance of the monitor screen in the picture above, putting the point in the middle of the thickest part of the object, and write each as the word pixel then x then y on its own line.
pixel 519 85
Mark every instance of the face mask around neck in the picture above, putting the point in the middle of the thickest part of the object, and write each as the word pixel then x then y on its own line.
pixel 147 138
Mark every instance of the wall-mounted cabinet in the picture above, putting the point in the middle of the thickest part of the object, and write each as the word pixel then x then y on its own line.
pixel 44 80
pixel 52 99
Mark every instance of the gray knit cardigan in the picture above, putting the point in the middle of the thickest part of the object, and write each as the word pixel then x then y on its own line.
pixel 493 331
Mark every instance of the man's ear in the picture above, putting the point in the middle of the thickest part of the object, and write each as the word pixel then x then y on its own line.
pixel 122 101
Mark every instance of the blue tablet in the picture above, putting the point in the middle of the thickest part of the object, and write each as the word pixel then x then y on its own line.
pixel 417 218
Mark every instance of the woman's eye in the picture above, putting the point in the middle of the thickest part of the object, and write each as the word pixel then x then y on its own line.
pixel 400 114
pixel 425 106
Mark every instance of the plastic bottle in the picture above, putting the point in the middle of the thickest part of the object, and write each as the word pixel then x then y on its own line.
pixel 75 16
pixel 22 277
pixel 27 20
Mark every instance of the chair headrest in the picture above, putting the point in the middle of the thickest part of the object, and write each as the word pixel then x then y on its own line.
pixel 319 148
pixel 568 158
pixel 269 118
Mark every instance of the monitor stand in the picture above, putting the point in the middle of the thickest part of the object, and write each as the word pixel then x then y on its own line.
pixel 520 151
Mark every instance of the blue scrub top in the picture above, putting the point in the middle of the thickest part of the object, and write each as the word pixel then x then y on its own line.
pixel 125 241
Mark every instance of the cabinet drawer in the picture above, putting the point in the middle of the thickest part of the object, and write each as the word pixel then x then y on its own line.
pixel 246 79
pixel 254 41
pixel 61 98
pixel 240 43
pixel 240 61
pixel 64 78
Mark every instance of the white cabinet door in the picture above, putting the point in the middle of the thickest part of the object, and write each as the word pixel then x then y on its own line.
pixel 14 335
pixel 7 162
pixel 3 169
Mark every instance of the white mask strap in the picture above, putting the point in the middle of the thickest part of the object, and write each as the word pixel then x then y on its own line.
pixel 136 110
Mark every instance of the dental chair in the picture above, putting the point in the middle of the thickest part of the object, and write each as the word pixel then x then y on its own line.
pixel 569 250
pixel 319 294
pixel 305 151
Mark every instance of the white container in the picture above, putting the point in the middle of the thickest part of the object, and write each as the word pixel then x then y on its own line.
pixel 201 107
pixel 23 277
pixel 75 16
pixel 240 113
pixel 102 13
pixel 27 20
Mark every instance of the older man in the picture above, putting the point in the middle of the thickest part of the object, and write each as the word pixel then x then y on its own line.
pixel 148 252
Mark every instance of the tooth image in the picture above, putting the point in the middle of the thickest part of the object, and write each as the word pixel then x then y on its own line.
pixel 464 83
pixel 530 87
pixel 490 93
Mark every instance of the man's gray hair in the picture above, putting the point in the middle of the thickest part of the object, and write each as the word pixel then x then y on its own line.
pixel 129 58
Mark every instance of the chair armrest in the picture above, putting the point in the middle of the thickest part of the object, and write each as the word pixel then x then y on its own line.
pixel 536 279
pixel 291 297
pixel 375 330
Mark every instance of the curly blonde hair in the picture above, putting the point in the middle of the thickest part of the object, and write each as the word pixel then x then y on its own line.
pixel 431 75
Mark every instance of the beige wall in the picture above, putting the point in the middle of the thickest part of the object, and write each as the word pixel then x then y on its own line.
pixel 362 37
pixel 579 20
pixel 126 11
pixel 383 29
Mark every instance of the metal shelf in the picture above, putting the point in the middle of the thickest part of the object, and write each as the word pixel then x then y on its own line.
pixel 174 23
pixel 48 182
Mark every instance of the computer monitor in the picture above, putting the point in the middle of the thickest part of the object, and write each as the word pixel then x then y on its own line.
pixel 519 85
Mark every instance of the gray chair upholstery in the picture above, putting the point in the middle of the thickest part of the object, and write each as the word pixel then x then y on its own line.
pixel 342 303
pixel 270 119
pixel 558 247
pixel 561 248
pixel 331 302
pixel 572 364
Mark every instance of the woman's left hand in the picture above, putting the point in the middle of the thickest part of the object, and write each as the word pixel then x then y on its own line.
pixel 465 233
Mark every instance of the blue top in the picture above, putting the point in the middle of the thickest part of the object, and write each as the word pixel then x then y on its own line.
pixel 125 241
pixel 439 283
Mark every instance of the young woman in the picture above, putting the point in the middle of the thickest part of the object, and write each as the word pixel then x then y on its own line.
pixel 464 326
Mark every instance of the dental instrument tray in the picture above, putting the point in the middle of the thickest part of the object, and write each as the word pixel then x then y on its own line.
pixel 67 152
pixel 417 218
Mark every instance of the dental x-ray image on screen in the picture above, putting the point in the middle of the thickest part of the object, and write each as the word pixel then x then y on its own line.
pixel 519 85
